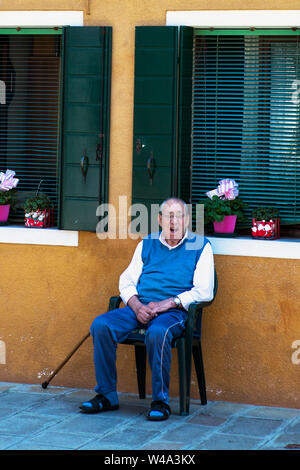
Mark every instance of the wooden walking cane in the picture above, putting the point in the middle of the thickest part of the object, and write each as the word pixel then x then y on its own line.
pixel 46 383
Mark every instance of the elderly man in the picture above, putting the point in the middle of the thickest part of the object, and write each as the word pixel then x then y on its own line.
pixel 168 271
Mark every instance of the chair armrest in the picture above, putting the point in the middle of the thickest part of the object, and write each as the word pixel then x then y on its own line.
pixel 114 302
pixel 196 307
pixel 194 310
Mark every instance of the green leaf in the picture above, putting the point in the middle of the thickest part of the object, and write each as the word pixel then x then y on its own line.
pixel 215 209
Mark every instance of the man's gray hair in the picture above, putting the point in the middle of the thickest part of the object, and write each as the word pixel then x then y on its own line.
pixel 175 199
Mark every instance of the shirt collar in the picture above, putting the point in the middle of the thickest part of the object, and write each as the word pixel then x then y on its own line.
pixel 163 241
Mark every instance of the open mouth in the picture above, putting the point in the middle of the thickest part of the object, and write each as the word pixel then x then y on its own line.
pixel 173 231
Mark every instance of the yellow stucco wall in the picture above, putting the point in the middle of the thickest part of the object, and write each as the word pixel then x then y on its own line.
pixel 49 295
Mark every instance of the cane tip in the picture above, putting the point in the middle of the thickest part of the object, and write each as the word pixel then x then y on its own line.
pixel 45 384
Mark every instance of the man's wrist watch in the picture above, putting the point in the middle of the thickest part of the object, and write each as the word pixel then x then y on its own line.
pixel 177 301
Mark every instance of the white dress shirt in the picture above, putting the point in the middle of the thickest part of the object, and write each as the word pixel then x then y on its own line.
pixel 203 280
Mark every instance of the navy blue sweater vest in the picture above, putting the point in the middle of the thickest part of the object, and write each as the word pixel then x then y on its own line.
pixel 166 272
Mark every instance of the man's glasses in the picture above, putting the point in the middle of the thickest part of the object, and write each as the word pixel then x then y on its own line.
pixel 173 216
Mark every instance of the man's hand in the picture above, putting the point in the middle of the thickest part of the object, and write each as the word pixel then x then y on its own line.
pixel 162 305
pixel 144 313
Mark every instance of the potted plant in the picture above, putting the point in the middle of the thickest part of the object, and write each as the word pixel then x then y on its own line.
pixel 38 211
pixel 223 207
pixel 265 223
pixel 8 185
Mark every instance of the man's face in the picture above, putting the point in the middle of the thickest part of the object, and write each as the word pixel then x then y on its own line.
pixel 173 220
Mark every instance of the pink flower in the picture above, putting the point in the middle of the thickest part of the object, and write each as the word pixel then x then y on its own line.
pixel 7 180
pixel 227 189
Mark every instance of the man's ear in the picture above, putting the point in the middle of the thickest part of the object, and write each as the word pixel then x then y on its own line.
pixel 159 218
pixel 186 221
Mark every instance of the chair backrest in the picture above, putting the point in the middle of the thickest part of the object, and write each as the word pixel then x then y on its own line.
pixel 215 284
pixel 198 325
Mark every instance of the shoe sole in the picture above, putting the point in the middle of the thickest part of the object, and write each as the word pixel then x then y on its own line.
pixel 92 411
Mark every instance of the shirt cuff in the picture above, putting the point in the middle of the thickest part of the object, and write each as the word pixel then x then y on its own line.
pixel 187 298
pixel 127 293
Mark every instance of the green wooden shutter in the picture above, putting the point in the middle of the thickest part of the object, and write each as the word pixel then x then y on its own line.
pixel 184 128
pixel 155 113
pixel 85 125
pixel 245 120
pixel 162 113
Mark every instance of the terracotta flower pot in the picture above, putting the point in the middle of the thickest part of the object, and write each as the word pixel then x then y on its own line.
pixel 227 225
pixel 4 212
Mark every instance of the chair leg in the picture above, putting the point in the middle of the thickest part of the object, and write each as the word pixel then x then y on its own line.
pixel 183 401
pixel 199 366
pixel 188 372
pixel 141 360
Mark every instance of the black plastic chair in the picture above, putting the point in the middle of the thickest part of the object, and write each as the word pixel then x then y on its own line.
pixel 188 345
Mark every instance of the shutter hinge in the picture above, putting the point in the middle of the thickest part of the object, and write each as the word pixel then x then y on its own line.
pixel 99 148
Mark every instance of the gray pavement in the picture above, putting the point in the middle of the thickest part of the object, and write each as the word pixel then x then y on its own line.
pixel 35 419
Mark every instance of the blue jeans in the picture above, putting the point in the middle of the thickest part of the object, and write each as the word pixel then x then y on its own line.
pixel 113 327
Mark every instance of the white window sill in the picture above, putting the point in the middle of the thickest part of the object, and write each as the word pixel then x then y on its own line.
pixel 247 246
pixel 237 246
pixel 38 236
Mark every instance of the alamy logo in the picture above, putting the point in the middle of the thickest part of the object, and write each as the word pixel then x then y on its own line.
pixel 2 352
pixel 135 220
pixel 296 354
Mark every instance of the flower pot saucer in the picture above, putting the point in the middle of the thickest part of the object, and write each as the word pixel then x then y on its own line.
pixel 224 235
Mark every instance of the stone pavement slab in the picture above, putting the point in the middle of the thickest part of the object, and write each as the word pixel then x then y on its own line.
pixel 221 441
pixel 32 418
pixel 249 426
